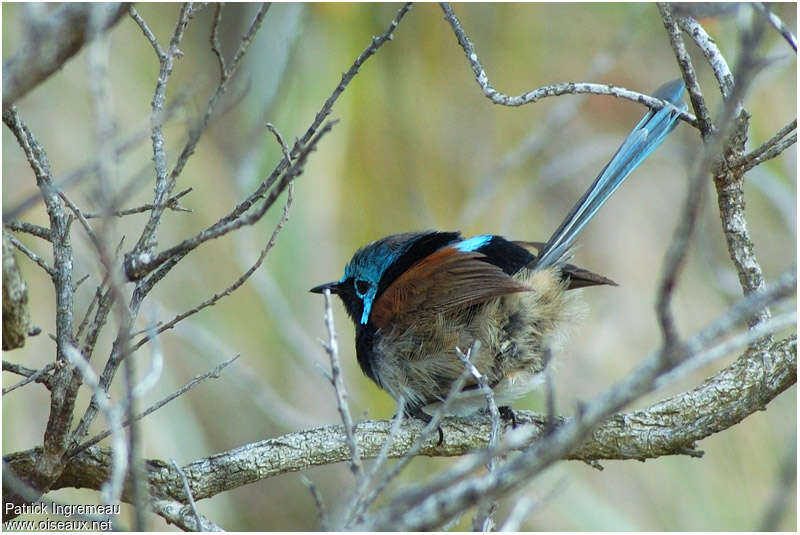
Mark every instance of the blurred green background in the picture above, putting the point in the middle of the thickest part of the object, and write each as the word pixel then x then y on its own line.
pixel 417 146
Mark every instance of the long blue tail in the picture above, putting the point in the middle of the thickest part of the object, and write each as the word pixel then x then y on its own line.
pixel 645 137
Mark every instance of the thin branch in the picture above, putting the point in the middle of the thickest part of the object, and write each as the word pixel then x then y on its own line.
pixel 484 516
pixel 712 53
pixel 332 348
pixel 712 353
pixel 121 148
pixel 153 375
pixel 82 220
pixel 83 324
pixel 148 33
pixel 30 228
pixel 38 260
pixel 326 109
pixel 31 377
pixel 237 283
pixel 322 511
pixel 105 301
pixel 138 265
pixel 687 68
pixel 553 90
pixel 776 22
pixel 214 38
pixel 163 186
pixel 172 203
pixel 188 491
pixel 18 369
pixel 196 131
pixel 112 491
pixel 215 373
pixel 527 506
pixel 174 512
pixel 358 503
pixel 728 134
pixel 771 148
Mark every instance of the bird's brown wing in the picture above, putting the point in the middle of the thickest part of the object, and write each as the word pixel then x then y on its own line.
pixel 446 279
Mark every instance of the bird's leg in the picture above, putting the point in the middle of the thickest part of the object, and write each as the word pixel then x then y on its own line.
pixel 419 414
pixel 508 415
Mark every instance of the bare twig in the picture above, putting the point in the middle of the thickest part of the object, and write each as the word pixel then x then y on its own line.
pixel 771 148
pixel 687 68
pixel 319 118
pixel 38 260
pixel 188 492
pixel 536 141
pixel 120 148
pixel 712 53
pixel 163 187
pixel 729 179
pixel 198 128
pixel 565 88
pixel 712 353
pixel 113 490
pixel 237 283
pixel 484 516
pixel 172 203
pixel 776 22
pixel 726 137
pixel 528 505
pixel 31 377
pixel 148 33
pixel 521 510
pixel 18 369
pixel 30 228
pixel 214 38
pixel 215 373
pixel 174 512
pixel 84 223
pixel 332 348
pixel 138 265
pixel 322 511
pixel 156 366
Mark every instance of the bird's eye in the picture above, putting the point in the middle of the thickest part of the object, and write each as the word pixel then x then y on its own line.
pixel 362 286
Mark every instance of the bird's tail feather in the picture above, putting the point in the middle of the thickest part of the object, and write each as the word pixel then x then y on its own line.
pixel 645 137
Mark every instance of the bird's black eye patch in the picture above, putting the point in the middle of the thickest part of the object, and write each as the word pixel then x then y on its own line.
pixel 362 286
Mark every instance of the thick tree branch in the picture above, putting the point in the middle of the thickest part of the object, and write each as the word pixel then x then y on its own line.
pixel 669 427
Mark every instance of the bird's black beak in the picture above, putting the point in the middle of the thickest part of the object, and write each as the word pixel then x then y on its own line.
pixel 332 286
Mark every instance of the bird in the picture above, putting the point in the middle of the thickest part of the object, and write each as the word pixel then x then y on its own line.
pixel 416 298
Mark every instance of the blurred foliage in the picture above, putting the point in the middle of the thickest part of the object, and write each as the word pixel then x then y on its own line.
pixel 417 146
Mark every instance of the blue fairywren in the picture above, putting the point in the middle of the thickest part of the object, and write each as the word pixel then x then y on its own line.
pixel 416 297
